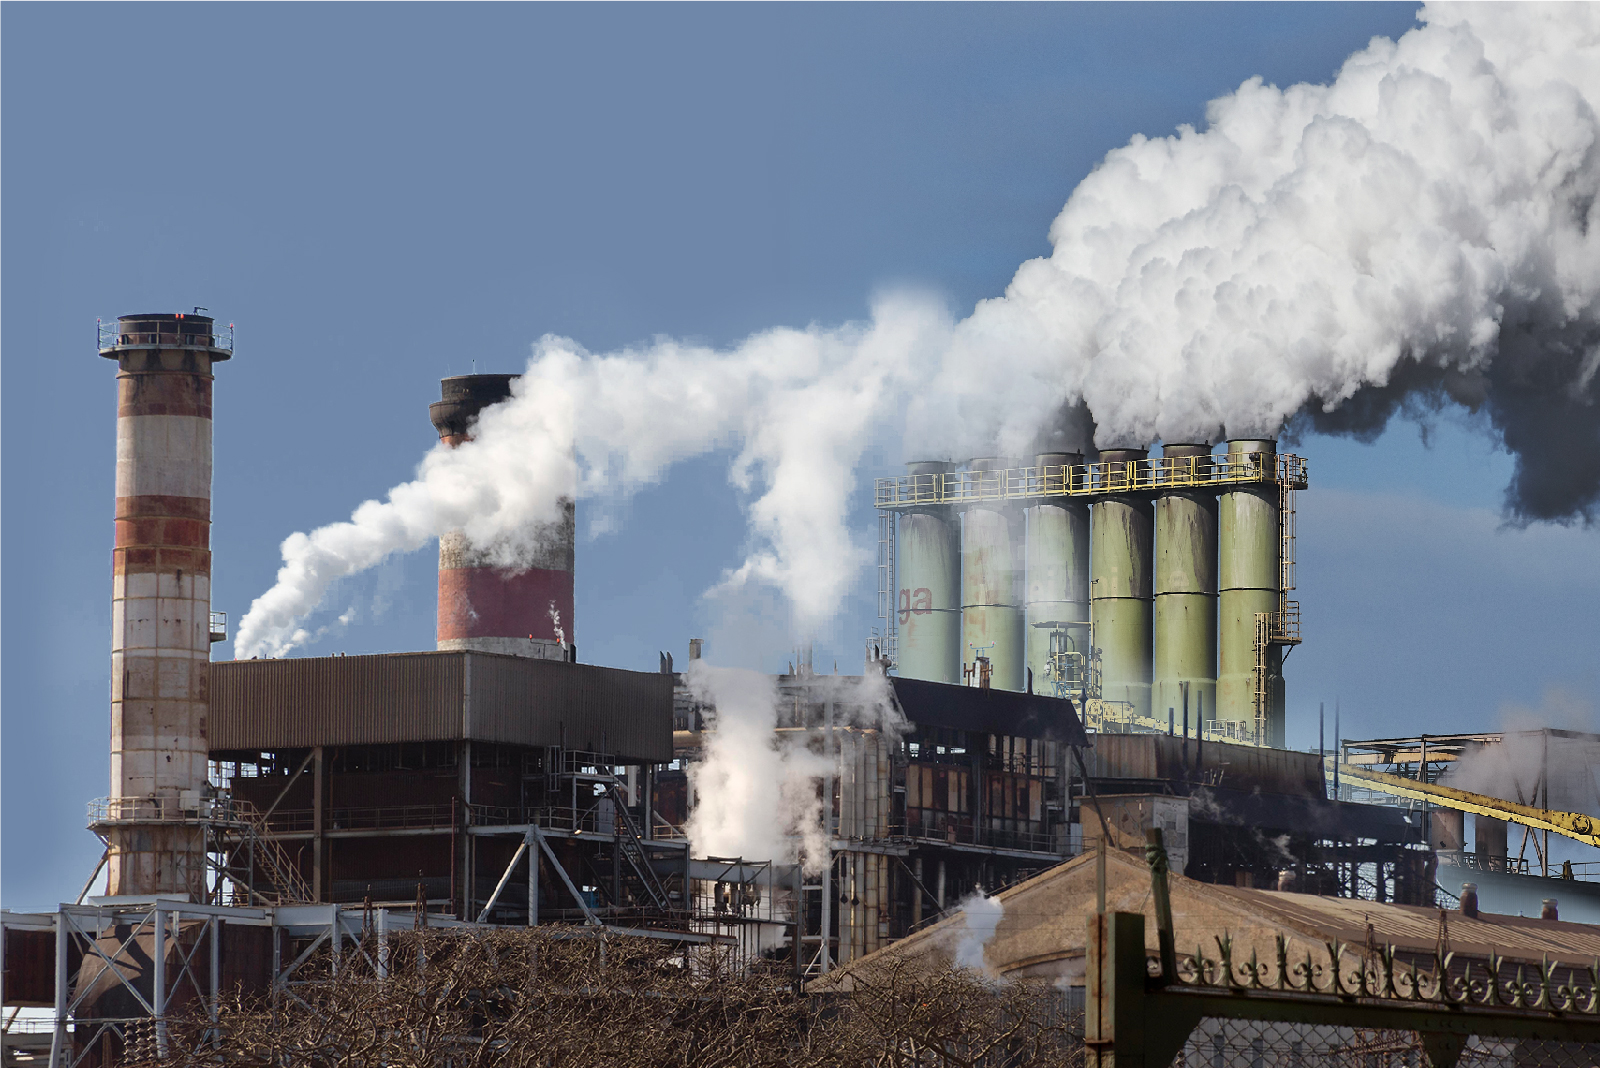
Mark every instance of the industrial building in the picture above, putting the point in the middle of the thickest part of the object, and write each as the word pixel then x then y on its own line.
pixel 1073 651
pixel 966 790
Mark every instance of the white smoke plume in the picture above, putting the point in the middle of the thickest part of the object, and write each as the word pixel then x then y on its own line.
pixel 757 787
pixel 981 918
pixel 1422 231
pixel 754 786
pixel 800 405
pixel 1527 763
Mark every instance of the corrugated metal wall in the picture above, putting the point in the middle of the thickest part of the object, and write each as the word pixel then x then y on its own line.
pixel 529 702
pixel 1246 767
pixel 336 700
pixel 432 696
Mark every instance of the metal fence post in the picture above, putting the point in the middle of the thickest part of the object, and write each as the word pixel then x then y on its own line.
pixel 383 943
pixel 216 973
pixel 1120 1026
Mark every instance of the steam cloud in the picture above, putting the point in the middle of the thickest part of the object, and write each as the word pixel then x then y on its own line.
pixel 1526 767
pixel 981 916
pixel 1421 232
pixel 757 787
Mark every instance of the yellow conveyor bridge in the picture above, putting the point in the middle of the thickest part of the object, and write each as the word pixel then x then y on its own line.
pixel 1574 825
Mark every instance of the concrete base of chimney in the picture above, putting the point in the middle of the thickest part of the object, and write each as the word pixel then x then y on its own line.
pixel 532 648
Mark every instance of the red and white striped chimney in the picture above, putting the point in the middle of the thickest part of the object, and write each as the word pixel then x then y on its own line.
pixel 490 609
pixel 161 602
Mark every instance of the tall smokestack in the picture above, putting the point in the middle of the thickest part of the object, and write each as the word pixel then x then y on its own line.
pixel 489 609
pixel 160 602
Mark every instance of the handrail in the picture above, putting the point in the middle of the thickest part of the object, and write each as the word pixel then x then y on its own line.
pixel 185 333
pixel 1092 480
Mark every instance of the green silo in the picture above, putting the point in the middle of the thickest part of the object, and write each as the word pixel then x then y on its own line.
pixel 1119 583
pixel 1058 565
pixel 927 574
pixel 1248 580
pixel 1184 640
pixel 991 580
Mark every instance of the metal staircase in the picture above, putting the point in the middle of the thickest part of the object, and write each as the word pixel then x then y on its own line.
pixel 631 847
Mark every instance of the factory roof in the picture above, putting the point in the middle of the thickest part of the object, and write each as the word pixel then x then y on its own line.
pixel 1041 931
pixel 440 696
pixel 970 708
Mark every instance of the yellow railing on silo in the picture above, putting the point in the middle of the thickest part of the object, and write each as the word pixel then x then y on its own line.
pixel 1289 473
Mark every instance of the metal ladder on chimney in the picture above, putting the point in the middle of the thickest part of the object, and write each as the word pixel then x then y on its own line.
pixel 1280 628
pixel 629 843
pixel 888 594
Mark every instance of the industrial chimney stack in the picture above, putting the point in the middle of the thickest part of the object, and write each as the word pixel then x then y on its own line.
pixel 488 609
pixel 161 602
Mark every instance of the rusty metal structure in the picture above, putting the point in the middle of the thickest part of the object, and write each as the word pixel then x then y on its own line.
pixel 402 775
pixel 971 791
pixel 1518 787
pixel 1251 816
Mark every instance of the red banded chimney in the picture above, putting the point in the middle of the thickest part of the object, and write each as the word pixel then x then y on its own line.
pixel 485 608
pixel 160 602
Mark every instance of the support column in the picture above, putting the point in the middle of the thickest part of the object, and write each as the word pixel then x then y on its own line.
pixel 318 829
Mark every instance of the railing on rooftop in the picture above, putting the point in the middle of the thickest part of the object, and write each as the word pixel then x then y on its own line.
pixel 1091 480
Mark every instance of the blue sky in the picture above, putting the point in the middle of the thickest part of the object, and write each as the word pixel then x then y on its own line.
pixel 383 195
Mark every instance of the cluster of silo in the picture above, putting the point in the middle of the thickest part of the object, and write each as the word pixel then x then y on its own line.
pixel 1155 581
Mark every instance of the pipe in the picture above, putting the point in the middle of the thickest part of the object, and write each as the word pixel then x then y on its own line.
pixel 1247 573
pixel 1120 588
pixel 161 602
pixel 991 578
pixel 1184 632
pixel 928 583
pixel 1057 569
pixel 484 608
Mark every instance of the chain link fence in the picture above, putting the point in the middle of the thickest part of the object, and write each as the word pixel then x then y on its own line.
pixel 1219 1043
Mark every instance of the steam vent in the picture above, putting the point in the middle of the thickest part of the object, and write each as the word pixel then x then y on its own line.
pixel 161 602
pixel 1151 591
pixel 487 609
